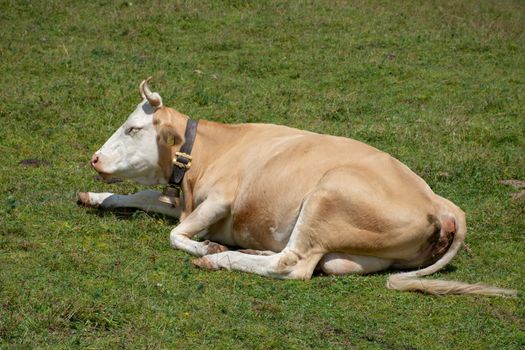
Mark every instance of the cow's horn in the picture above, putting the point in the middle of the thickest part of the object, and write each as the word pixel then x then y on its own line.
pixel 153 98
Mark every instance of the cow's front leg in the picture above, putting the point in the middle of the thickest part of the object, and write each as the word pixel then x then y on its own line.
pixel 145 200
pixel 206 214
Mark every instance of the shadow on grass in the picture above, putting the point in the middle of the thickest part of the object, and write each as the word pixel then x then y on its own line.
pixel 128 214
pixel 446 270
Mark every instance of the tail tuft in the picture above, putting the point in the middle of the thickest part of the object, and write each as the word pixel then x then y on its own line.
pixel 438 287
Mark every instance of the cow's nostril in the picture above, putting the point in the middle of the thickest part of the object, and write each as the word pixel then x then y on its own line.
pixel 94 160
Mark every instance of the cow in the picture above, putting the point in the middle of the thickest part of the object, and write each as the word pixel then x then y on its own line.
pixel 293 201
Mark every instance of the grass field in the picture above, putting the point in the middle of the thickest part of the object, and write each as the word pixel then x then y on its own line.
pixel 438 84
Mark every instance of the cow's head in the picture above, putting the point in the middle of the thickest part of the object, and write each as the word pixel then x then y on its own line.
pixel 136 151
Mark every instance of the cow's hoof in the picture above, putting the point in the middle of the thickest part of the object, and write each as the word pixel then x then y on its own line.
pixel 205 263
pixel 214 248
pixel 83 199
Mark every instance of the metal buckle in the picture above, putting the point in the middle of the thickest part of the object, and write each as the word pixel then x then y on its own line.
pixel 183 155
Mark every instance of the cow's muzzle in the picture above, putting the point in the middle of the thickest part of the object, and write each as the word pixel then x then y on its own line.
pixel 97 165
pixel 94 161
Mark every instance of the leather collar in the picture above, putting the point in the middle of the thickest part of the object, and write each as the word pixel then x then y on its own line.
pixel 181 164
pixel 182 161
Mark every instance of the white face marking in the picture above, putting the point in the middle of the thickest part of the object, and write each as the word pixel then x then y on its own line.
pixel 132 151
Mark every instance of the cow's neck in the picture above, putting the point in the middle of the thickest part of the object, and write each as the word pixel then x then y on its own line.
pixel 213 140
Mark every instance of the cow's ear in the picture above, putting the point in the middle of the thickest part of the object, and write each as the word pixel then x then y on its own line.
pixel 167 135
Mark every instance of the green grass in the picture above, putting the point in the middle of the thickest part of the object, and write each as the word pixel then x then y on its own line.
pixel 440 85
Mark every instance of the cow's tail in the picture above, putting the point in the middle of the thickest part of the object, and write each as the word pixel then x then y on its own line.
pixel 410 281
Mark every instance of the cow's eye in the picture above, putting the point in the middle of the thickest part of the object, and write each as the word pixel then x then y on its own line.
pixel 132 130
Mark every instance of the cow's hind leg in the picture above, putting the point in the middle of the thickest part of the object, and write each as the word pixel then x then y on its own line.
pixel 256 252
pixel 145 200
pixel 297 260
pixel 344 264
